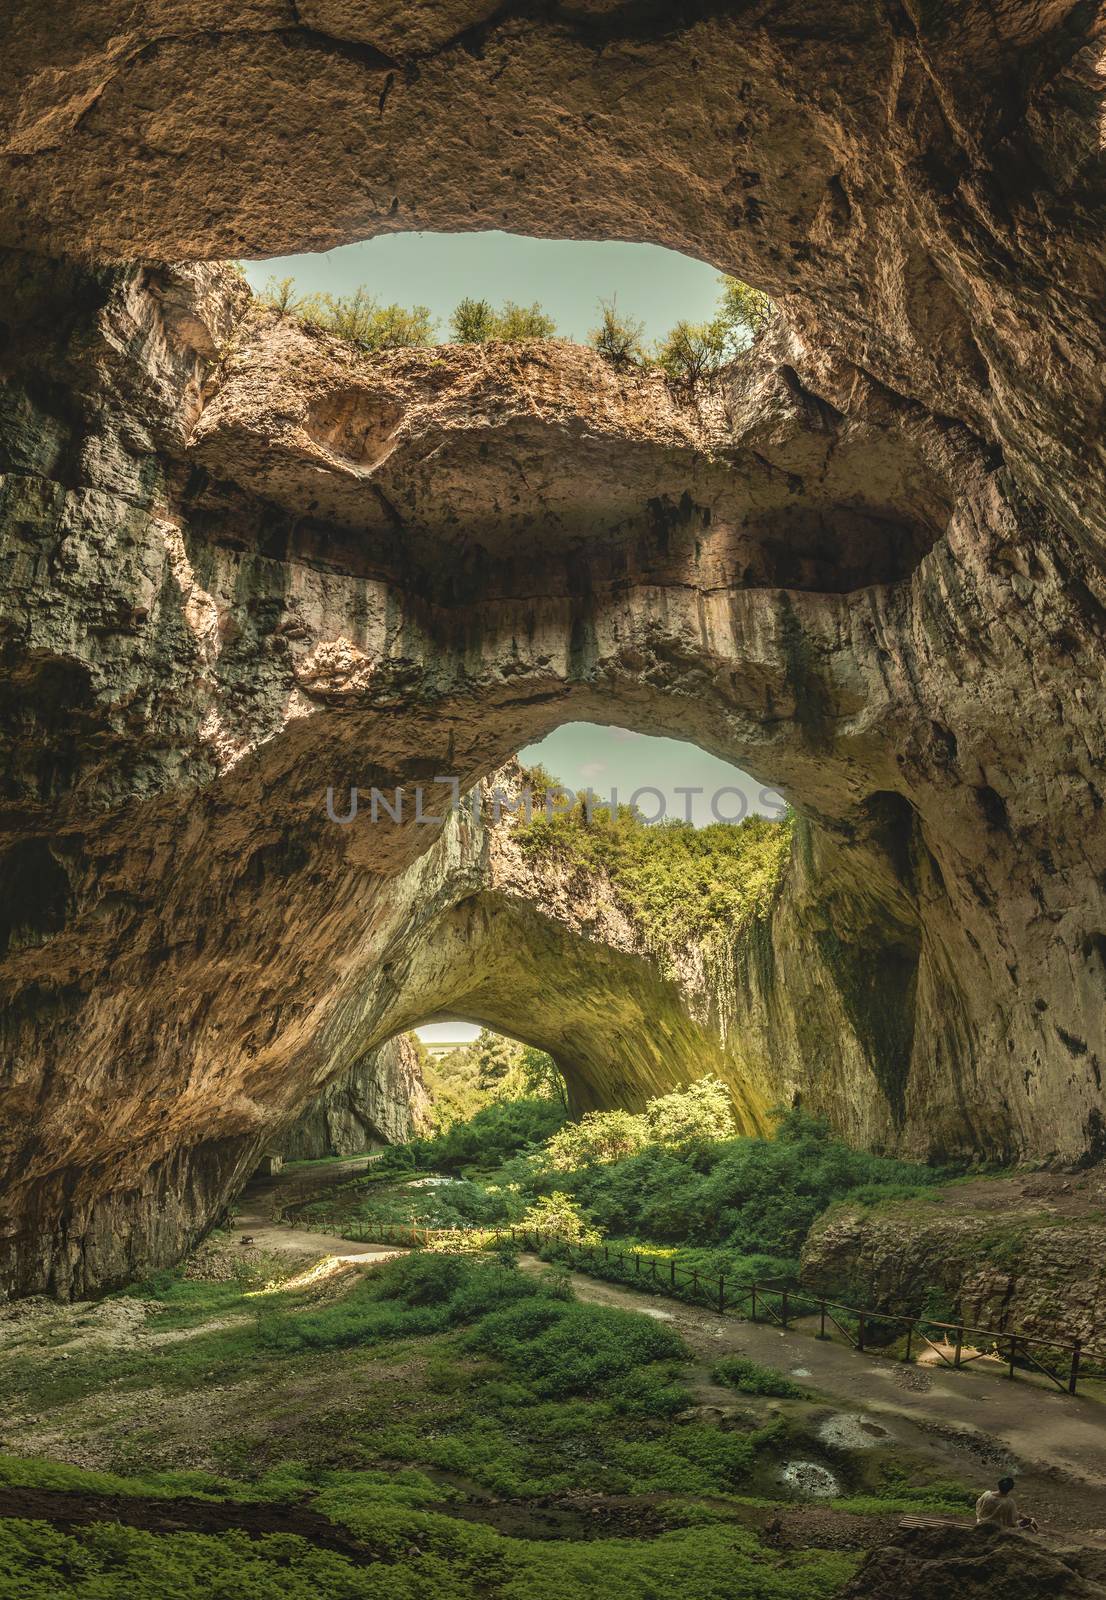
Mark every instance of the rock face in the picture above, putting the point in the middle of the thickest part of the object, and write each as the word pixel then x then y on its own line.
pixel 379 1101
pixel 1028 1256
pixel 947 1563
pixel 243 563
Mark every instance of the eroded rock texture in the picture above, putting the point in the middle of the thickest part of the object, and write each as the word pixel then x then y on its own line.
pixel 242 562
pixel 380 1100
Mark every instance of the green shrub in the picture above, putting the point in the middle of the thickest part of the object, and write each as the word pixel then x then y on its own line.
pixel 738 1372
pixel 559 1216
pixel 363 321
pixel 477 322
pixel 515 323
pixel 617 338
pixel 701 1113
pixel 280 295
pixel 472 322
pixel 568 1349
pixel 598 1137
pixel 492 1136
pixel 754 1197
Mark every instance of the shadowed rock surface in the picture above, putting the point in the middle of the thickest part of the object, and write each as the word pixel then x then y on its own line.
pixel 242 562
pixel 379 1101
pixel 950 1563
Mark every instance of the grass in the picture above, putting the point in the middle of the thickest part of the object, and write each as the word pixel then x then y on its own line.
pixel 738 1372
pixel 434 1379
pixel 422 1557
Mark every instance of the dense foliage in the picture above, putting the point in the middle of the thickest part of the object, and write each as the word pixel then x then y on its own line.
pixel 671 1179
pixel 751 1196
pixel 700 1114
pixel 681 883
pixel 474 1076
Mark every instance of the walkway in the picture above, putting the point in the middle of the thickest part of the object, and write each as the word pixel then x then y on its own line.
pixel 260 1198
pixel 979 1423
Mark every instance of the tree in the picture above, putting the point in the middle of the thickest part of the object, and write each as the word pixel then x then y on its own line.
pixel 745 312
pixel 692 351
pixel 618 339
pixel 700 1114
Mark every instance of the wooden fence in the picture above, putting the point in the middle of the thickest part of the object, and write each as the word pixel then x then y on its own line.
pixel 1063 1362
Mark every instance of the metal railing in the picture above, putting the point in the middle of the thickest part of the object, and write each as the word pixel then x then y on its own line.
pixel 1063 1362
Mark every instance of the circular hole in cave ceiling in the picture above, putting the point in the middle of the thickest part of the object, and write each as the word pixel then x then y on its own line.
pixel 831 516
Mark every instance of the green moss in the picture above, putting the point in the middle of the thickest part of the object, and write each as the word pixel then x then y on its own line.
pixel 423 1557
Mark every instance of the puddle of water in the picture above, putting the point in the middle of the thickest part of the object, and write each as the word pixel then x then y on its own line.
pixel 800 1372
pixel 850 1431
pixel 651 1311
pixel 810 1480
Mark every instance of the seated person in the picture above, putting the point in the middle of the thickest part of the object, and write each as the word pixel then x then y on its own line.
pixel 997 1509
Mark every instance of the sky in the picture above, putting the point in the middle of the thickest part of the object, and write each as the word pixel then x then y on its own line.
pixel 584 755
pixel 568 277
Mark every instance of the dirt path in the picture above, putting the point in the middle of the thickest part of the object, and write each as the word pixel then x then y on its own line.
pixel 261 1198
pixel 978 1423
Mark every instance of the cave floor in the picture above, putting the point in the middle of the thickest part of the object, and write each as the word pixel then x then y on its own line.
pixel 974 1420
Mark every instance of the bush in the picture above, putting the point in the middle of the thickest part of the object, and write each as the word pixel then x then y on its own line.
pixel 751 1196
pixel 618 339
pixel 570 1349
pixel 492 1136
pixel 360 319
pixel 477 322
pixel 560 1217
pixel 472 322
pixel 599 1136
pixel 738 1372
pixel 700 1114
pixel 280 295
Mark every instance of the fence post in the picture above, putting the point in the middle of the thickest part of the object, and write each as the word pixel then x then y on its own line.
pixel 672 1271
pixel 822 1326
pixel 909 1340
pixel 1076 1351
pixel 637 1258
pixel 721 1296
pixel 1013 1354
pixel 783 1309
pixel 753 1305
pixel 860 1331
pixel 959 1347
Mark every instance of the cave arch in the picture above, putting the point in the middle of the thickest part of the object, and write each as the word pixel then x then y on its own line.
pixel 252 599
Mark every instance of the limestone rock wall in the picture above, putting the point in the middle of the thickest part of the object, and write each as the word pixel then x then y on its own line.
pixel 1006 1253
pixel 242 562
pixel 379 1101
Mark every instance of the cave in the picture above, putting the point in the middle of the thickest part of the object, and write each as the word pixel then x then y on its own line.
pixel 243 563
